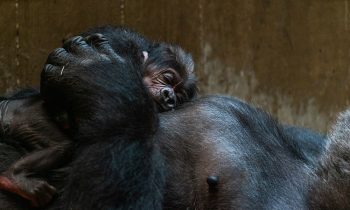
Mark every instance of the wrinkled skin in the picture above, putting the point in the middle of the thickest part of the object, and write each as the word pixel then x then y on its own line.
pixel 169 76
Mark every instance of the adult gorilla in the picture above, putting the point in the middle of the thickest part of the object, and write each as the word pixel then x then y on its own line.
pixel 219 152
pixel 115 165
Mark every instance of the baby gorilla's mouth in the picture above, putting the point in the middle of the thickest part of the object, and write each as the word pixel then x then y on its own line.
pixel 166 104
pixel 170 102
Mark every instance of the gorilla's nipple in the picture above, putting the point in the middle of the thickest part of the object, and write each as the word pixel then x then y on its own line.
pixel 213 182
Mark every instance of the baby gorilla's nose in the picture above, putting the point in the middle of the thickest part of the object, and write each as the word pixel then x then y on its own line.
pixel 166 92
pixel 169 97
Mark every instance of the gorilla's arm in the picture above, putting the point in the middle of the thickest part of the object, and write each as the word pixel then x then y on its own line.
pixel 117 165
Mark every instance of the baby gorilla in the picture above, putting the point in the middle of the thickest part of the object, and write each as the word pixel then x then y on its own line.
pixel 168 74
pixel 168 69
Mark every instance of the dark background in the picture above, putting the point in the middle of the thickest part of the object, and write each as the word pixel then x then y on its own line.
pixel 291 57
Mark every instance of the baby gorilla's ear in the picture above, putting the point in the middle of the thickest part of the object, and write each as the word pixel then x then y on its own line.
pixel 145 56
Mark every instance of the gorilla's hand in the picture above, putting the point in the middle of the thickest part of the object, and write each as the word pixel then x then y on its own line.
pixel 96 86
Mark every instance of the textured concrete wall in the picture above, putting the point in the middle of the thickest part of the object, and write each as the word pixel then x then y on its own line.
pixel 291 57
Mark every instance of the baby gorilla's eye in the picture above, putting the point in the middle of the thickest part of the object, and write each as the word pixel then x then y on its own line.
pixel 168 77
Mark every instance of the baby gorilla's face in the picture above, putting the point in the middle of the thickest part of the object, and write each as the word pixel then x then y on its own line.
pixel 162 86
pixel 169 76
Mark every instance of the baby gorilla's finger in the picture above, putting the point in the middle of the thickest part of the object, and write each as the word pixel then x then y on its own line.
pixel 78 46
pixel 102 45
pixel 59 57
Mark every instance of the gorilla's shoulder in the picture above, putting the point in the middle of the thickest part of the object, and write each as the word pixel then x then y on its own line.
pixel 223 111
pixel 221 105
pixel 216 113
pixel 221 101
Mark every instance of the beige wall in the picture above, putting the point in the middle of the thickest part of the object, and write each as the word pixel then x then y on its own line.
pixel 291 57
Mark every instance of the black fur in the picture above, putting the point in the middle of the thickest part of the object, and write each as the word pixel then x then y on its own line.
pixel 52 149
pixel 112 128
pixel 115 121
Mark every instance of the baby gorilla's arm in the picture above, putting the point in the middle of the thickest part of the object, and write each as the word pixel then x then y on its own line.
pixel 29 124
pixel 18 180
